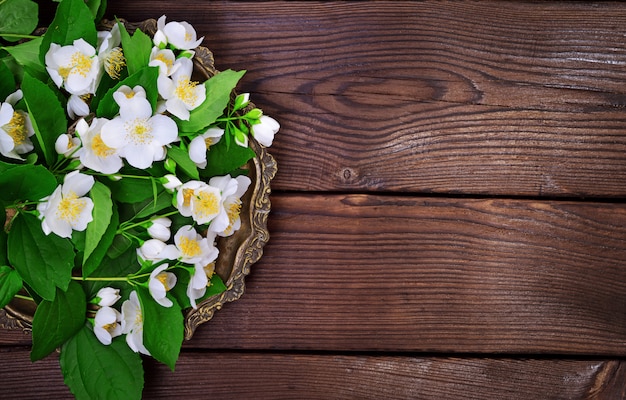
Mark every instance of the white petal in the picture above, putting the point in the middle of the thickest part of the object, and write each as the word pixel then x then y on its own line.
pixel 197 150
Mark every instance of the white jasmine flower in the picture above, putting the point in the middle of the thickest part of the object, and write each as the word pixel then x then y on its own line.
pixel 156 250
pixel 66 145
pixel 77 107
pixel 264 131
pixel 110 53
pixel 160 229
pixel 95 154
pixel 171 182
pixel 107 296
pixel 107 324
pixel 195 249
pixel 125 95
pixel 136 134
pixel 180 92
pixel 164 59
pixel 65 209
pixel 179 34
pixel 201 144
pixel 228 220
pixel 198 282
pixel 75 67
pixel 198 200
pixel 160 283
pixel 132 323
pixel 15 132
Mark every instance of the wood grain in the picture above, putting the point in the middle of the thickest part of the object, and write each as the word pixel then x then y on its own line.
pixel 290 376
pixel 443 275
pixel 500 98
pixel 390 273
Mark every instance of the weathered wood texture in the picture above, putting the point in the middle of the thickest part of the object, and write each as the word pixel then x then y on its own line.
pixel 363 273
pixel 481 99
pixel 287 376
pixel 508 98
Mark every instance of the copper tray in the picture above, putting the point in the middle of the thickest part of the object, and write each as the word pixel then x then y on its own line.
pixel 237 252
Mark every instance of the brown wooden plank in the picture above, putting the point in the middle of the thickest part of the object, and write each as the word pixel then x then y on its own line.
pixel 513 98
pixel 287 376
pixel 445 275
pixel 363 273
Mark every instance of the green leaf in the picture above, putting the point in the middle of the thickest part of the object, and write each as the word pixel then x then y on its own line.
pixel 218 90
pixel 183 161
pixel 131 190
pixel 102 211
pixel 73 20
pixel 4 259
pixel 145 77
pixel 162 343
pixel 7 82
pixel 151 207
pixel 136 49
pixel 95 259
pixel 44 262
pixel 18 17
pixel 94 371
pixel 223 159
pixel 27 55
pixel 46 114
pixel 120 245
pixel 58 320
pixel 26 182
pixel 10 284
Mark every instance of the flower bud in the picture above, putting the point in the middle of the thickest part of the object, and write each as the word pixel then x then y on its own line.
pixel 160 229
pixel 170 182
pixel 107 296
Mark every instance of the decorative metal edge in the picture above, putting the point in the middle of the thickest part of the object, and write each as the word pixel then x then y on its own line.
pixel 248 252
pixel 251 249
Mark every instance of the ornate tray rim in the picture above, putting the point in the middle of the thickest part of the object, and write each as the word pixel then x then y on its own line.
pixel 256 210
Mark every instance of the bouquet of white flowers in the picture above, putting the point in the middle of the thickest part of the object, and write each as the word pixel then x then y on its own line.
pixel 119 170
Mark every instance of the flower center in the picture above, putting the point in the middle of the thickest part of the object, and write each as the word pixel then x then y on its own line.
pixel 140 131
pixel 114 63
pixel 185 90
pixel 163 278
pixel 209 270
pixel 16 128
pixel 233 212
pixel 99 148
pixel 188 37
pixel 110 327
pixel 168 62
pixel 189 247
pixel 187 193
pixel 79 64
pixel 209 142
pixel 70 207
pixel 206 204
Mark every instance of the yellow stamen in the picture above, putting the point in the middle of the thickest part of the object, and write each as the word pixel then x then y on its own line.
pixel 80 64
pixel 207 204
pixel 209 270
pixel 16 128
pixel 70 207
pixel 185 91
pixel 189 247
pixel 233 211
pixel 110 327
pixel 114 63
pixel 209 142
pixel 168 62
pixel 187 193
pixel 140 131
pixel 162 277
pixel 99 148
pixel 188 37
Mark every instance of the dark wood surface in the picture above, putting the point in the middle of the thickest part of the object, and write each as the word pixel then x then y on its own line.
pixel 449 216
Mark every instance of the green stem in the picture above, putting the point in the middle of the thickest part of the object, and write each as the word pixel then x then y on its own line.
pixel 101 279
pixel 19 296
pixel 124 226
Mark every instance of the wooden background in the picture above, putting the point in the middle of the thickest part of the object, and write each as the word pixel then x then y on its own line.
pixel 449 217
